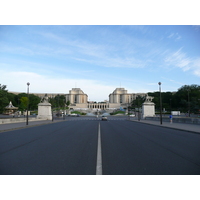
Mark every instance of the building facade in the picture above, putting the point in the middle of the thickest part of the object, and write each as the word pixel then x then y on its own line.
pixel 120 98
pixel 77 96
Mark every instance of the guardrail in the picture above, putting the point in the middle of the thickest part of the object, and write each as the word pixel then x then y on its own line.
pixel 186 120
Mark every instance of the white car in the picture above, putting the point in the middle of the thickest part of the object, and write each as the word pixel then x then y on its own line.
pixel 132 115
pixel 73 115
pixel 104 118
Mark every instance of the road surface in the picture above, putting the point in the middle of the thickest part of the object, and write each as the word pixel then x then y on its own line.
pixel 127 148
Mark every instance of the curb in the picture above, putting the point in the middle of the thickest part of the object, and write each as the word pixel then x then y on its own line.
pixel 167 127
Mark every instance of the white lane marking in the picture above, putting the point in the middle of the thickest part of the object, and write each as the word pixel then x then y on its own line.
pixel 99 156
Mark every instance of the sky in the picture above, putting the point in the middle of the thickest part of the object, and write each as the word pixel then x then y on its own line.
pixel 99 58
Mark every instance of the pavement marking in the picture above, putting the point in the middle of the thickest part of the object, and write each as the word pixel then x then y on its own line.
pixel 96 119
pixel 99 156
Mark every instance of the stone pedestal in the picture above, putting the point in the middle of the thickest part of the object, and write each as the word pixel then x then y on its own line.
pixel 44 111
pixel 148 109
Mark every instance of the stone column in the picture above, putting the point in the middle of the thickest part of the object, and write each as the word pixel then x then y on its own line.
pixel 115 98
pixel 71 98
pixel 111 98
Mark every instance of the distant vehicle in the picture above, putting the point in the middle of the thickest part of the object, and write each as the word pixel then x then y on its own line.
pixel 132 115
pixel 175 112
pixel 104 118
pixel 73 115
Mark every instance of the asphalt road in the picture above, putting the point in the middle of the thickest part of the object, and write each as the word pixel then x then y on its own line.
pixel 70 148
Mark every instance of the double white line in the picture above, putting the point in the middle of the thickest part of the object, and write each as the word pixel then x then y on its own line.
pixel 99 156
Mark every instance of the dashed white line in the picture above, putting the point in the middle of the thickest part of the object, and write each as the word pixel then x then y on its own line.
pixel 99 156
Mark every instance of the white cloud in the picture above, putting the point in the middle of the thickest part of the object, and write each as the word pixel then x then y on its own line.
pixel 174 36
pixel 106 55
pixel 17 82
pixel 178 59
pixel 171 35
pixel 181 60
pixel 171 80
pixel 197 67
pixel 115 62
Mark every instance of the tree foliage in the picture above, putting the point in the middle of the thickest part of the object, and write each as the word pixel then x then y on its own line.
pixel 59 101
pixel 186 99
pixel 4 101
pixel 24 103
pixel 137 103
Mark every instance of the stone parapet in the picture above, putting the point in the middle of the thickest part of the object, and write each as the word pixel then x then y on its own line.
pixel 17 120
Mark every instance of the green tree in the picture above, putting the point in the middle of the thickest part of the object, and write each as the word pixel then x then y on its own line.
pixel 33 102
pixel 24 103
pixel 137 103
pixel 68 103
pixel 58 101
pixel 187 98
pixel 11 97
pixel 3 98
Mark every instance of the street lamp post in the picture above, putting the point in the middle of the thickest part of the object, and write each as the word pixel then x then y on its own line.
pixel 27 102
pixel 160 103
pixel 170 106
pixel 188 103
pixel 138 109
pixel 52 107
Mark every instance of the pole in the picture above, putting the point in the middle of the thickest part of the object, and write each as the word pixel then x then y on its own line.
pixel 52 112
pixel 138 110
pixel 27 102
pixel 160 103
pixel 170 106
pixel 188 103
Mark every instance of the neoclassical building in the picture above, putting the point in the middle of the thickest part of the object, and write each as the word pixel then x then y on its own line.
pixel 120 98
pixel 77 96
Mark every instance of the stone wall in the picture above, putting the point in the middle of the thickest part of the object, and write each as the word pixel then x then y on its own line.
pixel 17 120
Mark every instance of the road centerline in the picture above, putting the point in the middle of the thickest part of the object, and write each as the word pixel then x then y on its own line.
pixel 99 155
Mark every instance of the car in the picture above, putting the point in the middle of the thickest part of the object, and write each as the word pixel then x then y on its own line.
pixel 104 118
pixel 132 115
pixel 73 115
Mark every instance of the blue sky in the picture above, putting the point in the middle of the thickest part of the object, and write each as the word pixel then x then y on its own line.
pixel 99 58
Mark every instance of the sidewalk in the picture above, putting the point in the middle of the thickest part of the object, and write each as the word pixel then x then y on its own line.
pixel 14 126
pixel 179 126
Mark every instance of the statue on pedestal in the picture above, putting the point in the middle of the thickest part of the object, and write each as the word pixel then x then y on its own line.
pixel 148 107
pixel 44 99
pixel 44 109
pixel 148 98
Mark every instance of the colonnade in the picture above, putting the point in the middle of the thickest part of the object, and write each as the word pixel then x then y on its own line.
pixel 98 105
